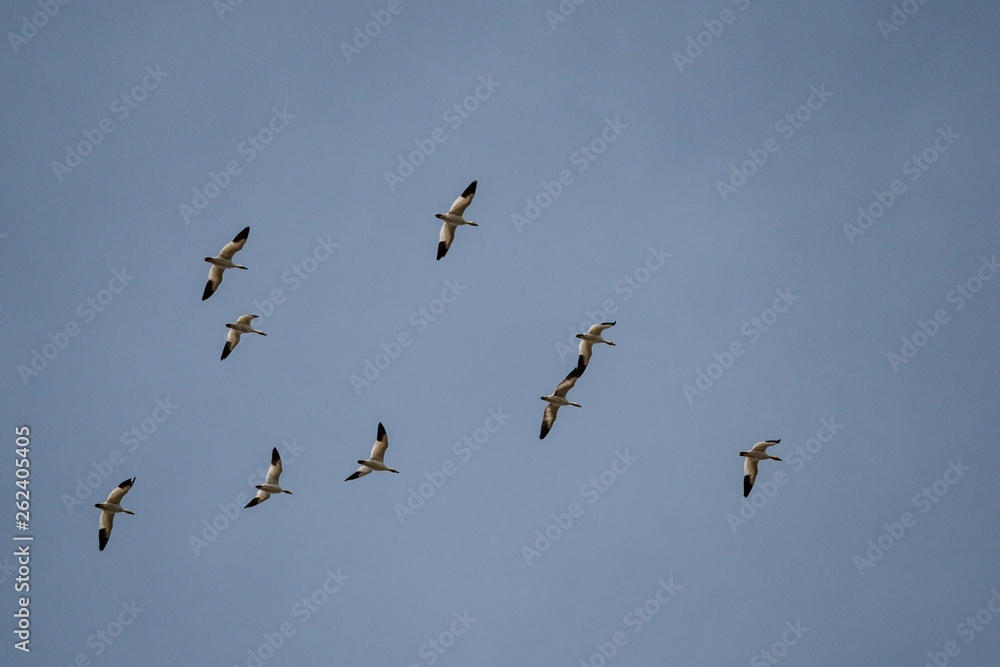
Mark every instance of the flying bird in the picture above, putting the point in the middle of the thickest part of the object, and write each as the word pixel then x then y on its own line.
pixel 587 341
pixel 757 453
pixel 270 484
pixel 110 508
pixel 224 261
pixel 376 462
pixel 242 326
pixel 453 219
pixel 556 401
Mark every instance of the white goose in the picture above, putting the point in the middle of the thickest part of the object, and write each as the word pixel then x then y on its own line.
pixel 757 453
pixel 377 460
pixel 241 326
pixel 270 484
pixel 110 508
pixel 453 219
pixel 224 261
pixel 556 401
pixel 587 341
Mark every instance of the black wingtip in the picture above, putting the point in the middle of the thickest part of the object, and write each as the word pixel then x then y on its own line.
pixel 208 291
pixel 747 485
pixel 354 476
pixel 253 501
pixel 471 190
pixel 102 539
pixel 580 366
pixel 127 483
pixel 275 457
pixel 381 431
pixel 242 235
pixel 226 350
pixel 442 249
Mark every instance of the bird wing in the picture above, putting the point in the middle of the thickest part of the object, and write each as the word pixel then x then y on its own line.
pixel 462 203
pixel 119 492
pixel 274 472
pixel 232 340
pixel 235 245
pixel 378 449
pixel 107 523
pixel 762 446
pixel 598 328
pixel 586 348
pixel 563 387
pixel 749 475
pixel 360 472
pixel 258 499
pixel 548 419
pixel 445 239
pixel 214 280
pixel 246 319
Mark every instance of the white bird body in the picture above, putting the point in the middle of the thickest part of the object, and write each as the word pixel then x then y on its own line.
pixel 224 261
pixel 270 484
pixel 241 327
pixel 557 400
pixel 587 342
pixel 377 459
pixel 756 453
pixel 453 218
pixel 110 508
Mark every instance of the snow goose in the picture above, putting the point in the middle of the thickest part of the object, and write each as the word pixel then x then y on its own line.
pixel 556 401
pixel 453 219
pixel 587 341
pixel 757 453
pixel 110 508
pixel 224 261
pixel 270 484
pixel 376 462
pixel 242 326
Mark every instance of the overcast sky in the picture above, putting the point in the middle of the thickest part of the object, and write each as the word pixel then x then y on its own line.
pixel 789 209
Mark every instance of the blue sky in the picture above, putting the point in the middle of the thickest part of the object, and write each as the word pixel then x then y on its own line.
pixel 788 208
